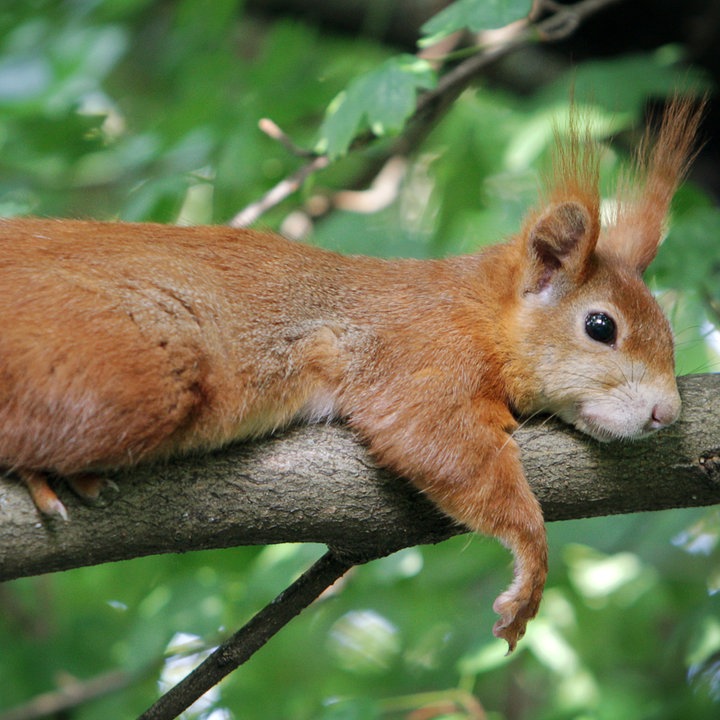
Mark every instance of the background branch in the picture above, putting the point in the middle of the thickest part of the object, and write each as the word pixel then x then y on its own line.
pixel 251 637
pixel 318 484
pixel 72 694
pixel 432 105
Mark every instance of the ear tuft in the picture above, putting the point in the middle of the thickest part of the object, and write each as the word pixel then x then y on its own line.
pixel 560 242
pixel 646 191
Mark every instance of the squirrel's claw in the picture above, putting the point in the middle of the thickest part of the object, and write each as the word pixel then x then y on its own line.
pixel 44 497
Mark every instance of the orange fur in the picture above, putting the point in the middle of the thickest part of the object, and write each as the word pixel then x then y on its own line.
pixel 122 343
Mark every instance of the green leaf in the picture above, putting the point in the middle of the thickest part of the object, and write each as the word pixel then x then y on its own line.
pixel 382 100
pixel 475 15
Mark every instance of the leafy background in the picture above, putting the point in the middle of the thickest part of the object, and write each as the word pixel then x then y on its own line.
pixel 144 110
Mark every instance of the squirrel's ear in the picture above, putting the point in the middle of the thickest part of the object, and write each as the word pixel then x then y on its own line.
pixel 559 244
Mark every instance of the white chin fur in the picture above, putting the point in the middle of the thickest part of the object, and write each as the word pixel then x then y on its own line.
pixel 617 421
pixel 605 432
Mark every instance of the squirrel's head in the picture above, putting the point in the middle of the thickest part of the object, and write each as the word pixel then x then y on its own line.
pixel 597 343
pixel 590 336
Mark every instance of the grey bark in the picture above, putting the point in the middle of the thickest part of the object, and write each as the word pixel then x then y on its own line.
pixel 319 484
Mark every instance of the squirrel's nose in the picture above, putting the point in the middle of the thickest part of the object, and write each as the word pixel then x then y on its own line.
pixel 664 414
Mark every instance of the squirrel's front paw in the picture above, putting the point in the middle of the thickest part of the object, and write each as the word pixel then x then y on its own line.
pixel 516 608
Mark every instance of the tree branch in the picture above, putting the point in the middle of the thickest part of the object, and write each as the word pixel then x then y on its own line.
pixel 318 484
pixel 251 637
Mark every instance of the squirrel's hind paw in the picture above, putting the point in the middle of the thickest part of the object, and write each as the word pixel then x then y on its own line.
pixel 44 497
pixel 93 489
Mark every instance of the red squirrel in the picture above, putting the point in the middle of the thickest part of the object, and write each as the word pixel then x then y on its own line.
pixel 121 343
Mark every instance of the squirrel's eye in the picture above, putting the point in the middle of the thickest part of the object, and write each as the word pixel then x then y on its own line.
pixel 601 327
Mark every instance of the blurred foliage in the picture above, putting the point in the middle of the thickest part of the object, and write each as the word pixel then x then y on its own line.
pixel 148 111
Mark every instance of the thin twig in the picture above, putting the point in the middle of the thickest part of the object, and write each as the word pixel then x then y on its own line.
pixel 277 194
pixel 561 24
pixel 431 105
pixel 275 132
pixel 250 638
